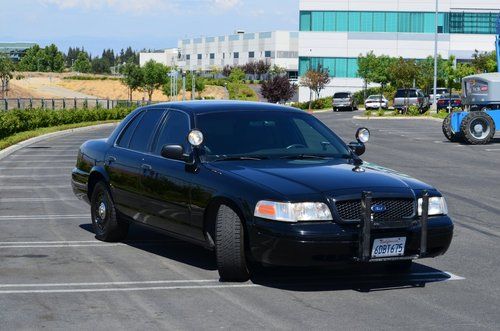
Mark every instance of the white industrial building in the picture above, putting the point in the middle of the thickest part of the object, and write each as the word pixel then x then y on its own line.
pixel 168 57
pixel 333 33
pixel 276 48
pixel 204 53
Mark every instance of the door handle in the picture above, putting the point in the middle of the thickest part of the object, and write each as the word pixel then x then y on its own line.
pixel 146 167
pixel 110 160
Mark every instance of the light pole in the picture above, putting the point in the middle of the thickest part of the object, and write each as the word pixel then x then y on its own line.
pixel 436 22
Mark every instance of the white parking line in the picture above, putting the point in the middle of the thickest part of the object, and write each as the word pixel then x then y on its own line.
pixel 189 285
pixel 34 168
pixel 36 199
pixel 38 161
pixel 492 149
pixel 42 217
pixel 84 243
pixel 130 289
pixel 35 176
pixel 41 154
pixel 31 187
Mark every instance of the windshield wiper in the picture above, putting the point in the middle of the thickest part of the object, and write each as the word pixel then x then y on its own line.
pixel 241 158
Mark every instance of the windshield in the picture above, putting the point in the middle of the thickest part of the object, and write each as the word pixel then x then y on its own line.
pixel 341 95
pixel 266 134
pixel 375 97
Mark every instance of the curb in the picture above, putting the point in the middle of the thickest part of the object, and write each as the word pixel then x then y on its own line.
pixel 14 148
pixel 397 118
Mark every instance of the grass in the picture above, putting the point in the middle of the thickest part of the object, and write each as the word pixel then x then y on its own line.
pixel 22 136
pixel 239 91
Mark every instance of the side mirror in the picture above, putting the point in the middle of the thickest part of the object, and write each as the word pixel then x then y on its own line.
pixel 358 148
pixel 173 152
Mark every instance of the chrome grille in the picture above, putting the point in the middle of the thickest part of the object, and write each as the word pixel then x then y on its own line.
pixel 396 209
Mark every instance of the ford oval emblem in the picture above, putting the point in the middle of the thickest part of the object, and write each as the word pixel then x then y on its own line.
pixel 377 209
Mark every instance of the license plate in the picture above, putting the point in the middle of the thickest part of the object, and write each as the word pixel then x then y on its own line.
pixel 388 247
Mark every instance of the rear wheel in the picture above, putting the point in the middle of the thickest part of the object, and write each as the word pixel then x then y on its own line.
pixel 478 128
pixel 448 130
pixel 107 226
pixel 230 246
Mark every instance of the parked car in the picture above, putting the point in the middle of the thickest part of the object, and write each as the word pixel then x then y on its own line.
pixel 376 102
pixel 411 97
pixel 449 101
pixel 344 101
pixel 258 184
pixel 439 92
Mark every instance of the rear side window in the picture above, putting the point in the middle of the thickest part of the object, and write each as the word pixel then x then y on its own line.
pixel 406 94
pixel 144 131
pixel 173 132
pixel 124 139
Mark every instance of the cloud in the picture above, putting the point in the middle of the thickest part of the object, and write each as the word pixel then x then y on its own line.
pixel 138 6
pixel 226 4
pixel 117 5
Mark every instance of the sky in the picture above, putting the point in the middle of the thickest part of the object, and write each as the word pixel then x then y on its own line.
pixel 149 24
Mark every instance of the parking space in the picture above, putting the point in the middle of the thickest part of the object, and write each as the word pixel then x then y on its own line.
pixel 55 275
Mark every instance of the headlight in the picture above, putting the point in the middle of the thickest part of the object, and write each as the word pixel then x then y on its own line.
pixel 293 212
pixel 437 206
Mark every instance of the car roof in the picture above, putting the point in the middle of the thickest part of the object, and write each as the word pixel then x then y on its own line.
pixel 489 77
pixel 207 106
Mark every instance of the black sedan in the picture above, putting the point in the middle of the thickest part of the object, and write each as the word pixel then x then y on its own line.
pixel 260 184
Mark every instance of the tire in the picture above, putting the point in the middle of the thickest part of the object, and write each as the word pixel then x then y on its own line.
pixel 107 226
pixel 478 128
pixel 403 266
pixel 448 131
pixel 230 246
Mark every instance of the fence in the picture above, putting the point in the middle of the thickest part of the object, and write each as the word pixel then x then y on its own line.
pixel 65 103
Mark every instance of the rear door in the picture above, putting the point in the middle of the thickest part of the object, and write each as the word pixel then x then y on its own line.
pixel 124 160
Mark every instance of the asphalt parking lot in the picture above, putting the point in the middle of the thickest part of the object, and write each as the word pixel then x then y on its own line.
pixel 55 275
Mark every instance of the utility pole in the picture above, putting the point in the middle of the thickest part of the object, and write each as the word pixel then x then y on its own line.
pixel 436 22
pixel 183 85
pixel 193 86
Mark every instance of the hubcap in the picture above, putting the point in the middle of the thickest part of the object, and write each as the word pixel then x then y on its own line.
pixel 480 128
pixel 101 211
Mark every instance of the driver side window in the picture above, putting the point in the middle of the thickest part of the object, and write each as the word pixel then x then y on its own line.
pixel 174 131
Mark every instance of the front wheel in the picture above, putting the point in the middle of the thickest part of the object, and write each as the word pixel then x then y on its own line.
pixel 230 246
pixel 478 128
pixel 107 226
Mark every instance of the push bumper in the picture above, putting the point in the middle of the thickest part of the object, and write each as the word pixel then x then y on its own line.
pixel 329 243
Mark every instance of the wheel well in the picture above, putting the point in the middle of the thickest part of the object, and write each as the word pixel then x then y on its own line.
pixel 95 177
pixel 210 217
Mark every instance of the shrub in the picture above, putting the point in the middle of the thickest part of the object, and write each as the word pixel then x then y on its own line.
pixel 238 91
pixel 413 111
pixel 322 103
pixel 15 121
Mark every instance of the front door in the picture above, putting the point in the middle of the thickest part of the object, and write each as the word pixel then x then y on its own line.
pixel 166 184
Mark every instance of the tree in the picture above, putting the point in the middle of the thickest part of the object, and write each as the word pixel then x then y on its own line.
pixel 82 63
pixel 262 68
pixel 278 89
pixel 375 69
pixel 154 76
pixel 132 78
pixel 199 83
pixel 237 75
pixel 276 70
pixel 484 62
pixel 54 58
pixel 366 67
pixel 403 74
pixel 226 71
pixel 215 71
pixel 101 65
pixel 6 68
pixel 315 80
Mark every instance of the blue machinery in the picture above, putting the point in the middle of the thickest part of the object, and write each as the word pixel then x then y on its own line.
pixel 498 43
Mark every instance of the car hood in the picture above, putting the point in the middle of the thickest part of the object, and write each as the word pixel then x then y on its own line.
pixel 297 177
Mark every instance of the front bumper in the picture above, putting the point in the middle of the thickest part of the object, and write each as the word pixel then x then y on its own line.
pixel 329 243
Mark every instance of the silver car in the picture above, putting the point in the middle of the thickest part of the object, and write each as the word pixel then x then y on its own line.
pixel 344 101
pixel 376 102
pixel 411 97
